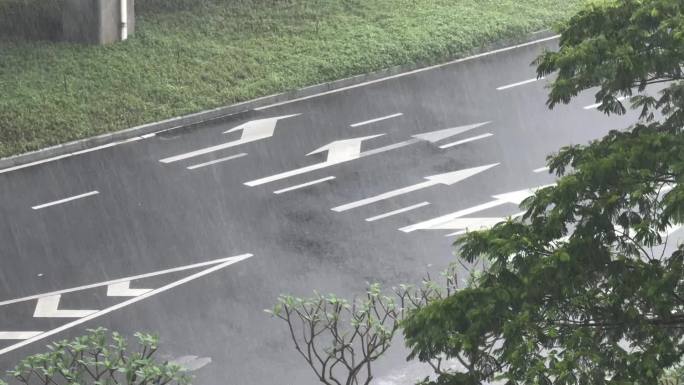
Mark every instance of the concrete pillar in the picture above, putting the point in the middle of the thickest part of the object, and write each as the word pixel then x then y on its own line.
pixel 95 21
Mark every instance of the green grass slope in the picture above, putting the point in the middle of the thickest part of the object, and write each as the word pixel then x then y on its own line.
pixel 190 55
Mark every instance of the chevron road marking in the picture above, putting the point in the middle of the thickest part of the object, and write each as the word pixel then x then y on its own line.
pixel 123 289
pixel 48 303
pixel 47 307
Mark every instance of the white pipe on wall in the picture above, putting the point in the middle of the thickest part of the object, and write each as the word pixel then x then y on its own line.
pixel 124 19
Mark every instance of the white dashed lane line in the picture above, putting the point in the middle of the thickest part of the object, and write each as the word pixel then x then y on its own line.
pixel 65 200
pixel 376 120
pixel 395 212
pixel 307 184
pixel 522 83
pixel 217 161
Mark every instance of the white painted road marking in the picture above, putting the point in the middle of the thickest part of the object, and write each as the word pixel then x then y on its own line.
pixel 48 307
pixel 341 89
pixel 123 289
pixel 44 205
pixel 87 150
pixel 395 212
pixel 419 70
pixel 541 169
pixel 456 233
pixel 18 335
pixel 376 120
pixel 218 265
pixel 514 197
pixel 466 140
pixel 126 279
pixel 596 105
pixel 447 179
pixel 217 161
pixel 507 86
pixel 251 131
pixel 307 184
pixel 470 224
pixel 341 151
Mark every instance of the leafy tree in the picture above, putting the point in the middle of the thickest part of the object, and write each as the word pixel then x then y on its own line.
pixel 99 358
pixel 584 288
pixel 340 339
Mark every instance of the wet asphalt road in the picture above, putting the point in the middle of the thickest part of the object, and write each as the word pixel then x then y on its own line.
pixel 149 216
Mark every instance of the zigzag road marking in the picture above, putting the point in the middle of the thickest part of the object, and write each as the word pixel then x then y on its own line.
pixel 48 304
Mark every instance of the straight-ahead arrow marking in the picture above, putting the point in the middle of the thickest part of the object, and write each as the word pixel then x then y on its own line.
pixel 339 151
pixel 218 265
pixel 513 197
pixel 346 150
pixel 48 307
pixel 123 289
pixel 447 179
pixel 251 131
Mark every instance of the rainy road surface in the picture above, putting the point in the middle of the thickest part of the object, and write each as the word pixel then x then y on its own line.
pixel 191 233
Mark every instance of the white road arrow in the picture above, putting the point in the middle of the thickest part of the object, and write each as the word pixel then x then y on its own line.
pixel 514 197
pixel 343 150
pixel 123 289
pixel 48 303
pixel 339 151
pixel 471 224
pixel 346 150
pixel 48 307
pixel 447 179
pixel 251 131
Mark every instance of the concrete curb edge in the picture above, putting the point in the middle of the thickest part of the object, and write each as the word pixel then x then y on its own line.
pixel 82 145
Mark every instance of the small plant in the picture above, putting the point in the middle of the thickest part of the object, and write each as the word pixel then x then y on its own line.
pixel 341 339
pixel 99 358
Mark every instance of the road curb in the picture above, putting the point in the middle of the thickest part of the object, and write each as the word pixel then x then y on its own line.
pixel 82 145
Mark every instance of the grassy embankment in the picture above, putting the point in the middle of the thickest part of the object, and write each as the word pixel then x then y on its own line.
pixel 190 55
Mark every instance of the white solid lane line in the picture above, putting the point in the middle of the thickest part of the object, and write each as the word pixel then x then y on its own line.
pixel 419 70
pixel 376 120
pixel 507 86
pixel 44 205
pixel 596 105
pixel 307 184
pixel 18 335
pixel 395 212
pixel 217 161
pixel 472 139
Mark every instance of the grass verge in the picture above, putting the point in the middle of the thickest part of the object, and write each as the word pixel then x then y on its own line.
pixel 191 55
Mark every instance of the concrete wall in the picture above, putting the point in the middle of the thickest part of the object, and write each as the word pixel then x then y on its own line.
pixel 95 21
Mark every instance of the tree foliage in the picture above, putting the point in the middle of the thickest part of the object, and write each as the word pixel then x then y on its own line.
pixel 341 339
pixel 585 288
pixel 99 358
